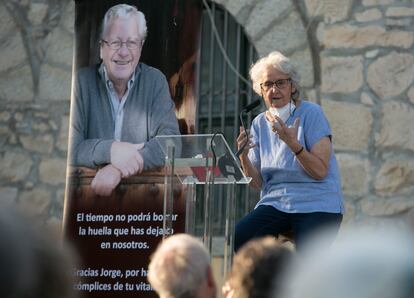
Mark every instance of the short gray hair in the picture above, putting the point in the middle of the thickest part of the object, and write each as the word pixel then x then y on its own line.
pixel 178 266
pixel 125 11
pixel 279 62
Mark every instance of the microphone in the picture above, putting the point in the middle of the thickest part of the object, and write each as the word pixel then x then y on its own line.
pixel 251 106
pixel 225 162
pixel 246 110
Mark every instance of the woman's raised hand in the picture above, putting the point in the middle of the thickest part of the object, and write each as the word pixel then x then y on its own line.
pixel 288 134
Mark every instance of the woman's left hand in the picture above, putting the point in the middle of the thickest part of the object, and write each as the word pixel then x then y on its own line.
pixel 289 135
pixel 316 161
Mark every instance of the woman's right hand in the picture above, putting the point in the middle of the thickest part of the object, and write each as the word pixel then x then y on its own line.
pixel 250 171
pixel 244 137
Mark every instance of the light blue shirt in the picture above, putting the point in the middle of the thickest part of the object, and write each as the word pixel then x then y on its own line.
pixel 286 186
pixel 117 104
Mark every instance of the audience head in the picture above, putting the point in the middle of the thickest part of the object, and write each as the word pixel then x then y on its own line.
pixel 367 264
pixel 32 264
pixel 180 267
pixel 258 267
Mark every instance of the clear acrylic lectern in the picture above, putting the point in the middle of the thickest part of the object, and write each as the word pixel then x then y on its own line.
pixel 207 160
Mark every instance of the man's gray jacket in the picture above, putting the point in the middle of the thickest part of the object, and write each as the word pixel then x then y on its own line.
pixel 148 112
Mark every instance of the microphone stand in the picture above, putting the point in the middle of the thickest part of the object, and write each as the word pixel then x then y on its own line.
pixel 245 132
pixel 246 110
pixel 226 163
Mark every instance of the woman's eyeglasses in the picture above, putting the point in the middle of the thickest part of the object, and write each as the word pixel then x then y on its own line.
pixel 281 84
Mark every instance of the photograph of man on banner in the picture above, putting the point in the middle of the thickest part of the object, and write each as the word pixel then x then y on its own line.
pixel 133 81
pixel 120 105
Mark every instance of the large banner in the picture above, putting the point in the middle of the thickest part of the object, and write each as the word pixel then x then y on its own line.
pixel 115 235
pixel 129 85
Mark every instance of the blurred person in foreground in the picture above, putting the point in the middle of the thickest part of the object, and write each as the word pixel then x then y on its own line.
pixel 33 264
pixel 180 268
pixel 258 269
pixel 360 264
pixel 289 154
pixel 120 105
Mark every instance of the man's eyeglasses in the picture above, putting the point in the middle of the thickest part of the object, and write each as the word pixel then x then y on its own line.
pixel 281 84
pixel 117 44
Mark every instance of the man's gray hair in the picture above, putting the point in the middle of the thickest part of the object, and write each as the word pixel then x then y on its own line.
pixel 179 266
pixel 279 62
pixel 125 11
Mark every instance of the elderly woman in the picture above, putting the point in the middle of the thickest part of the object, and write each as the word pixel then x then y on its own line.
pixel 289 155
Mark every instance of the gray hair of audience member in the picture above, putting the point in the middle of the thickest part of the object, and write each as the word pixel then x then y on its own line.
pixel 179 266
pixel 258 268
pixel 279 62
pixel 125 11
pixel 32 264
pixel 368 264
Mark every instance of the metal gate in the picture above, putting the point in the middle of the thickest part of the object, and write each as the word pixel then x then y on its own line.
pixel 223 90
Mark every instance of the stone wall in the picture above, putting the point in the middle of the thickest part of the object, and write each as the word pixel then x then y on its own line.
pixel 356 60
pixel 35 83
